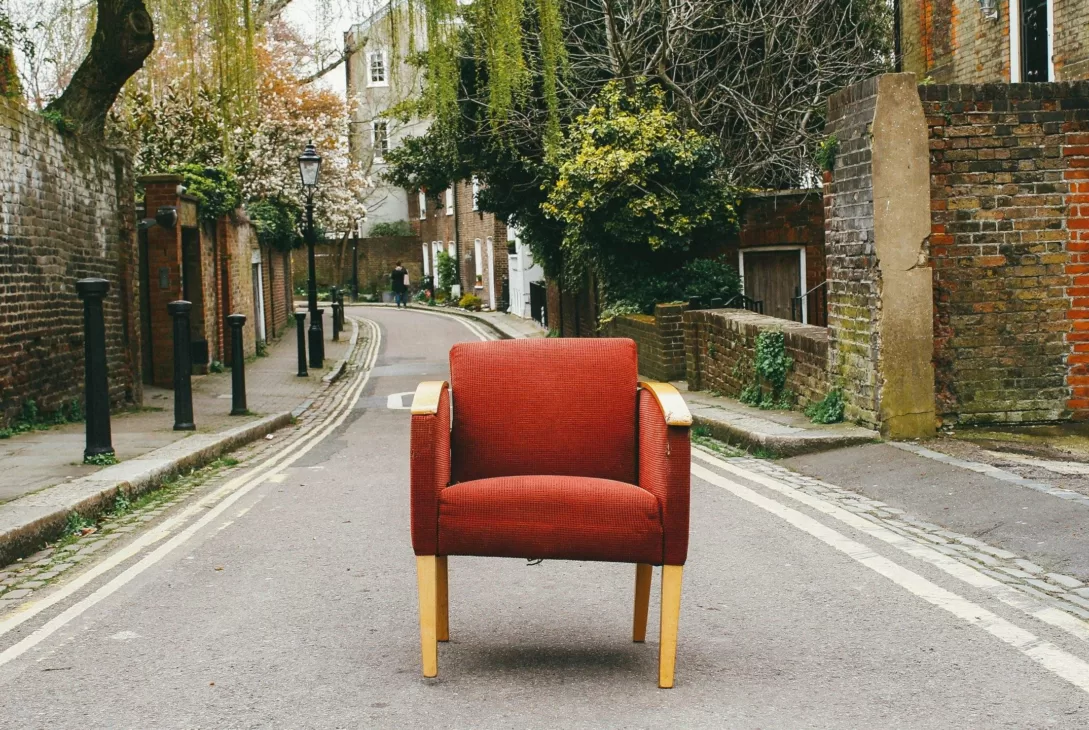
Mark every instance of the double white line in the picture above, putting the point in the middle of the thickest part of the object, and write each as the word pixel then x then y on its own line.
pixel 212 505
pixel 1060 662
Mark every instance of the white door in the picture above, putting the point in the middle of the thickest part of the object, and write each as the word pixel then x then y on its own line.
pixel 258 302
pixel 427 268
pixel 491 273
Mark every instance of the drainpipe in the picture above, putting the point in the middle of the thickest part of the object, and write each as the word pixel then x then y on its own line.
pixel 457 243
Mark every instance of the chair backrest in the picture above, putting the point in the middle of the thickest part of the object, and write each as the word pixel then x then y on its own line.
pixel 544 406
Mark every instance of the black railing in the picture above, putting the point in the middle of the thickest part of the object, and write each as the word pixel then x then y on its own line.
pixel 738 301
pixel 818 312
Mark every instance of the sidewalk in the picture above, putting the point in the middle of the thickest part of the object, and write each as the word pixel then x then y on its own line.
pixel 41 459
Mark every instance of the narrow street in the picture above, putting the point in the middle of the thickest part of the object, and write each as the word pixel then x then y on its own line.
pixel 282 593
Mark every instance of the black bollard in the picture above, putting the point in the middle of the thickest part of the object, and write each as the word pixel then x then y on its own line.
pixel 183 366
pixel 238 366
pixel 316 339
pixel 95 383
pixel 333 297
pixel 336 321
pixel 300 327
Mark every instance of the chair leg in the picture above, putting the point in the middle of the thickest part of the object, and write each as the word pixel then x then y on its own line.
pixel 427 583
pixel 642 601
pixel 671 611
pixel 442 630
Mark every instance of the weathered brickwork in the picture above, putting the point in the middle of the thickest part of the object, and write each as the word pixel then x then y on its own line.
pixel 1009 176
pixel 854 284
pixel 377 257
pixel 720 345
pixel 67 212
pixel 658 337
pixel 953 41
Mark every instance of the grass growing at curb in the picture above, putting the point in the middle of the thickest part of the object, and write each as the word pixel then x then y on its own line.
pixel 701 437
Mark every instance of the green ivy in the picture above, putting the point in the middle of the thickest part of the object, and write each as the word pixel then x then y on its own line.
pixel 278 221
pixel 770 367
pixel 391 228
pixel 825 155
pixel 63 124
pixel 215 189
pixel 828 410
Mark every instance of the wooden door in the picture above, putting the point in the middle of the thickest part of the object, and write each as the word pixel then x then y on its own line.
pixel 773 278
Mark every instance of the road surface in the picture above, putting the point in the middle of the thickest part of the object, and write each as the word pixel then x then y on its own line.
pixel 284 595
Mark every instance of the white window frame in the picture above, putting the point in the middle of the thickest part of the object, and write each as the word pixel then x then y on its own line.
pixel 478 263
pixel 450 200
pixel 381 56
pixel 1015 41
pixel 452 250
pixel 379 154
pixel 422 200
pixel 476 192
pixel 427 267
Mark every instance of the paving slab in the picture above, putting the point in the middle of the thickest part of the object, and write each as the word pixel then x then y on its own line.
pixel 780 433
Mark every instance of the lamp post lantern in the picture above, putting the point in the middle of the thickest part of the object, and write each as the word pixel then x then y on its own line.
pixel 309 172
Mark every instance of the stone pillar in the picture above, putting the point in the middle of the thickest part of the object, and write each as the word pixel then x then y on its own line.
pixel 880 293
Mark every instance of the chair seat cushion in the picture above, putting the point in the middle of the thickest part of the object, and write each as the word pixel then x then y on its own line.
pixel 558 517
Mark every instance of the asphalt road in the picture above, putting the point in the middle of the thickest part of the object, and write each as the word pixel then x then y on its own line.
pixel 294 606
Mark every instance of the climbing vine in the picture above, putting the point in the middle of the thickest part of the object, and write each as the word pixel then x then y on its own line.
pixel 770 367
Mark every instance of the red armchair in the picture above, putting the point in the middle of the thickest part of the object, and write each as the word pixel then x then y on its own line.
pixel 552 449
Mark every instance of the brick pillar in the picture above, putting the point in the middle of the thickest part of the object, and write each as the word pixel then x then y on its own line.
pixel 164 258
pixel 669 324
pixel 880 294
pixel 1076 174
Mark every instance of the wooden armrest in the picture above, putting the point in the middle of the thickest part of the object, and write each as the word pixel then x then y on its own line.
pixel 670 401
pixel 426 400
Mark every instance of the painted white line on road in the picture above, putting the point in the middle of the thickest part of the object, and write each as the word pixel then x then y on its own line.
pixel 1051 657
pixel 230 493
pixel 396 401
pixel 474 327
pixel 995 588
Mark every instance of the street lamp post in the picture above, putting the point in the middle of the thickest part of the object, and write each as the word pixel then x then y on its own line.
pixel 309 171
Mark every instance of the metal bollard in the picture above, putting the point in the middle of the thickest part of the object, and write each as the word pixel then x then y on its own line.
pixel 300 327
pixel 336 321
pixel 333 298
pixel 238 366
pixel 95 383
pixel 183 366
pixel 316 339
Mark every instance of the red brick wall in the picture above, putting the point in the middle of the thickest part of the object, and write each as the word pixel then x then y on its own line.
pixel 68 213
pixel 164 249
pixel 659 339
pixel 1009 175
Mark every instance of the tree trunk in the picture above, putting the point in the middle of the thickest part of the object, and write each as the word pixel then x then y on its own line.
pixel 124 37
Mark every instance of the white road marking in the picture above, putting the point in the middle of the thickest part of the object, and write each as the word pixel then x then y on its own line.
pixel 396 401
pixel 997 589
pixel 230 493
pixel 472 326
pixel 1051 657
pixel 276 478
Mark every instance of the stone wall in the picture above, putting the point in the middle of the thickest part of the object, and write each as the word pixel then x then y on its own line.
pixel 67 212
pixel 720 346
pixel 1010 250
pixel 659 338
pixel 952 41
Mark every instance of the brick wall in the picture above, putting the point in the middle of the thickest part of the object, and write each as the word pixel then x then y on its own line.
pixel 378 256
pixel 853 280
pixel 720 346
pixel 67 212
pixel 1009 183
pixel 952 41
pixel 659 338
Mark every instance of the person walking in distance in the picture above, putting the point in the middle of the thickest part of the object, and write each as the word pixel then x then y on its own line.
pixel 399 283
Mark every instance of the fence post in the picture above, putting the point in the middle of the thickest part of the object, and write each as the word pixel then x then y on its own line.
pixel 183 366
pixel 238 366
pixel 95 382
pixel 300 327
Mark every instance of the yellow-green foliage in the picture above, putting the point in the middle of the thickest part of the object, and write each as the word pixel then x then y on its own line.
pixel 471 302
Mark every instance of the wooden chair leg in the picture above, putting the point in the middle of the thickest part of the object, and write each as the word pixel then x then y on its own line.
pixel 427 583
pixel 442 630
pixel 671 611
pixel 643 575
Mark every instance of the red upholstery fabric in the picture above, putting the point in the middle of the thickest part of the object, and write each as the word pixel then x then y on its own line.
pixel 430 472
pixel 544 406
pixel 665 466
pixel 550 517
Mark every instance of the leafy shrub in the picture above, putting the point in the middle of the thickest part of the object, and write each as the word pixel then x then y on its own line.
pixel 828 410
pixel 216 190
pixel 825 155
pixel 277 221
pixel 391 228
pixel 447 271
pixel 770 367
pixel 703 278
pixel 471 302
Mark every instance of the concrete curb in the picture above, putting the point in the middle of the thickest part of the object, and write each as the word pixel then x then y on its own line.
pixel 777 440
pixel 33 519
pixel 450 312
pixel 338 370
